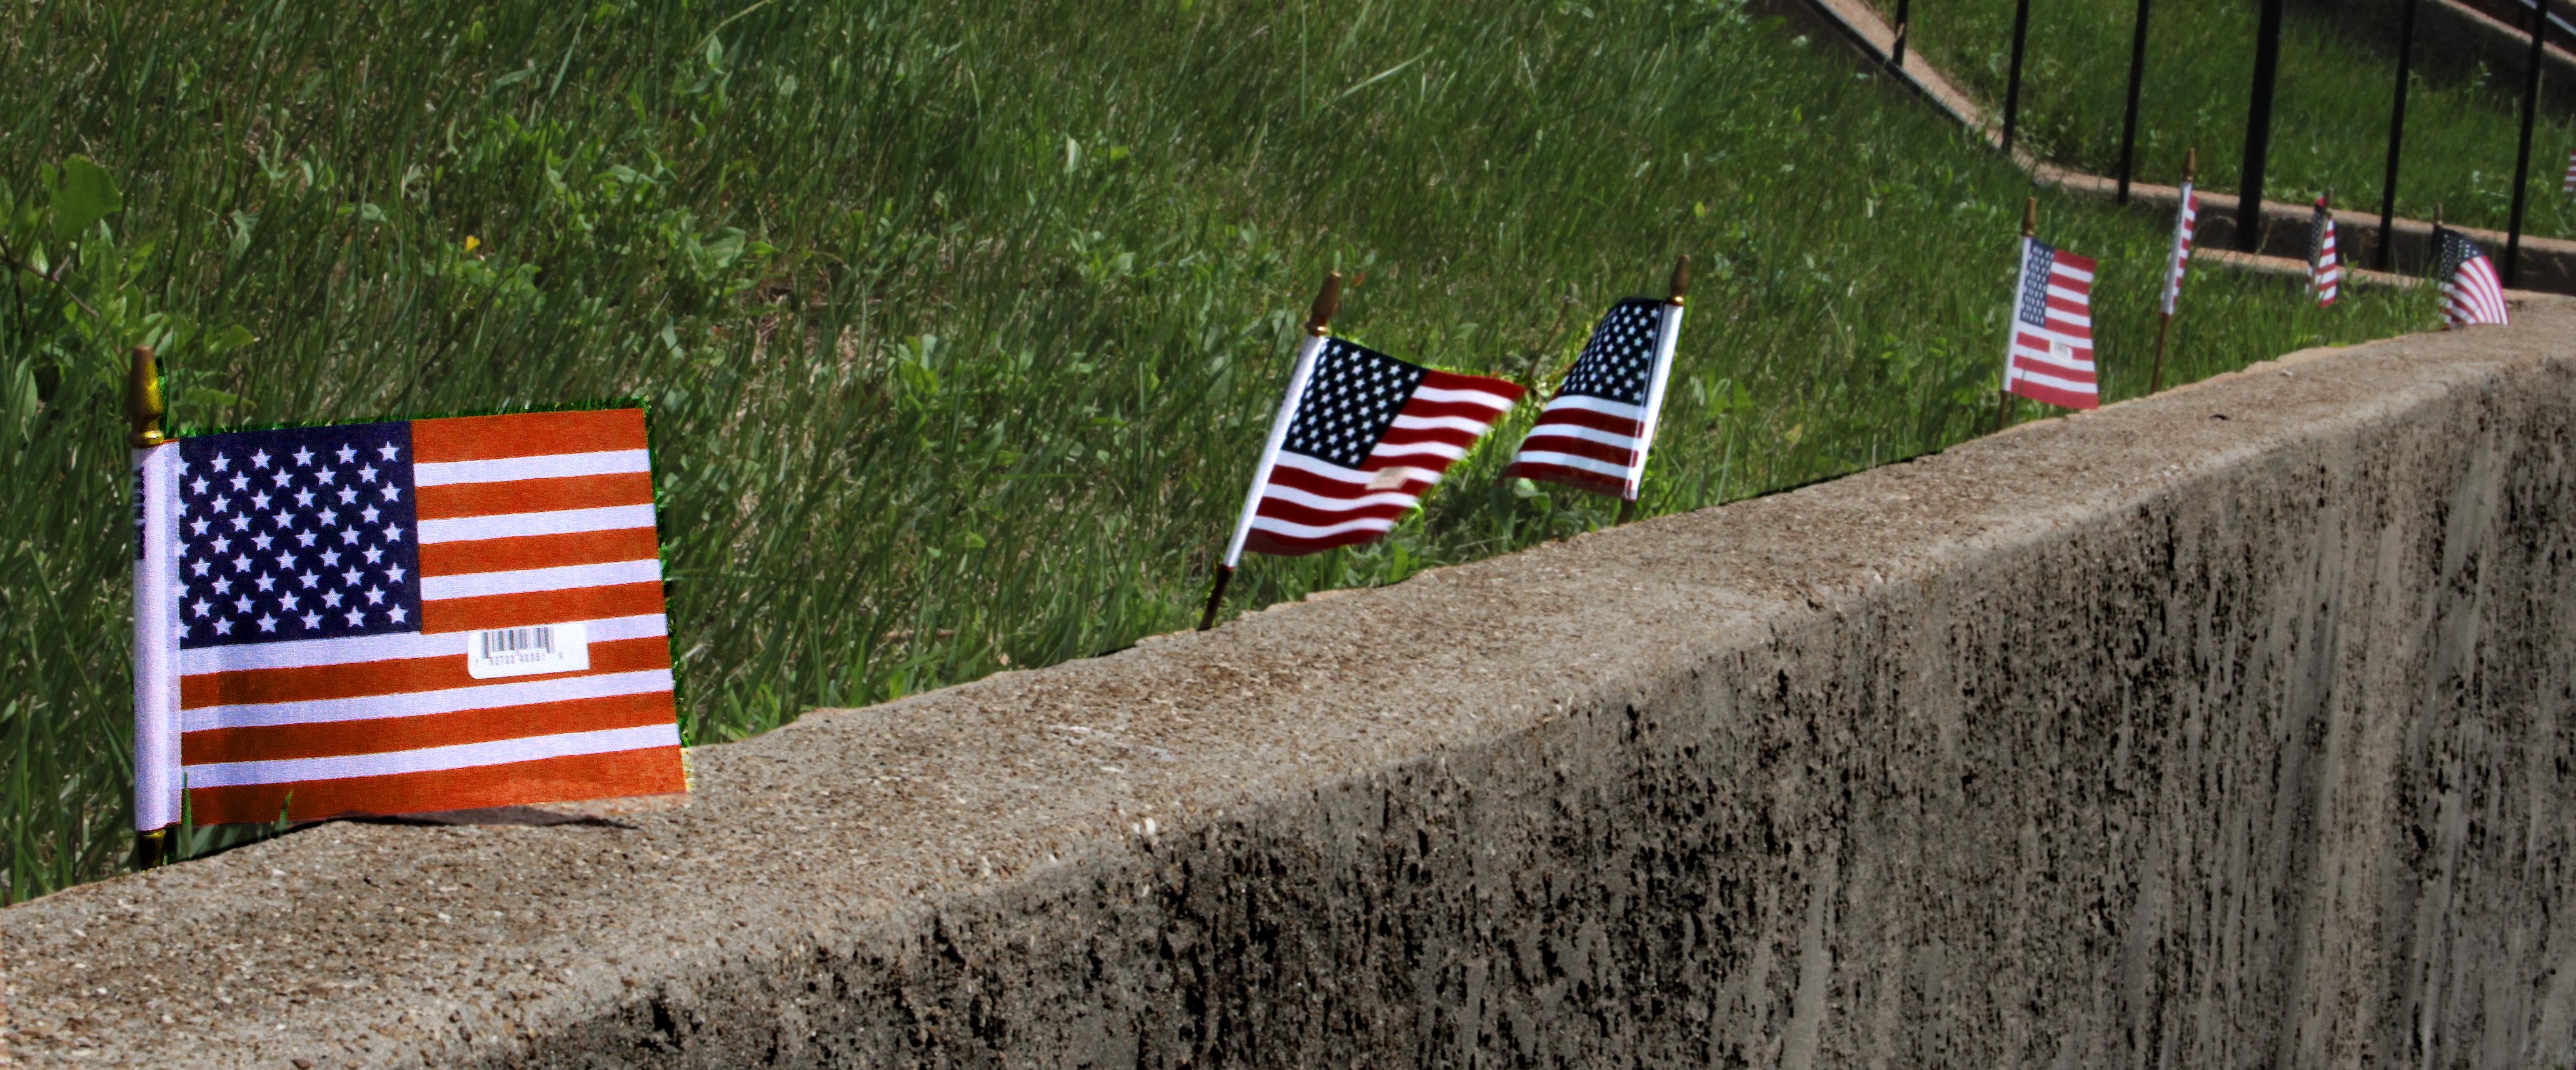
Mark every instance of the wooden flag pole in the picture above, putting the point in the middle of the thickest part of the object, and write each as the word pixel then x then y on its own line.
pixel 1319 324
pixel 143 412
pixel 2164 317
pixel 1676 292
pixel 2003 393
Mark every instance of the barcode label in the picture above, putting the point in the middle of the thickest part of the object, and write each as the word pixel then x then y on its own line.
pixel 529 651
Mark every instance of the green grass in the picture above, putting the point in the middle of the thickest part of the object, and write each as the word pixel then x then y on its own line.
pixel 2330 120
pixel 960 321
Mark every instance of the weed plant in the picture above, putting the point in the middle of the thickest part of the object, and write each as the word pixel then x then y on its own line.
pixel 2329 120
pixel 959 320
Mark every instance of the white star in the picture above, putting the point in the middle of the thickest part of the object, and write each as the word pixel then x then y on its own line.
pixel 348 536
pixel 284 520
pixel 348 495
pixel 368 473
pixel 394 574
pixel 309 579
pixel 304 455
pixel 304 538
pixel 241 523
pixel 375 595
pixel 262 541
pixel 266 582
pixel 304 497
pixel 387 451
pixel 198 567
pixel 267 623
pixel 375 554
pixel 312 620
pixel 199 487
pixel 280 477
pixel 223 627
pixel 393 533
pixel 223 586
pixel 350 577
pixel 330 558
pixel 223 545
pixel 324 475
pixel 286 560
pixel 240 482
pixel 201 607
pixel 398 613
pixel 330 517
pixel 369 513
pixel 259 459
pixel 347 455
pixel 220 461
pixel 393 493
pixel 242 604
pixel 199 526
pixel 331 599
pixel 288 601
pixel 219 506
pixel 259 500
pixel 356 618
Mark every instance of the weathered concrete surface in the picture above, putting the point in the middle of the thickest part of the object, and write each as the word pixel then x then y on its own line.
pixel 2227 728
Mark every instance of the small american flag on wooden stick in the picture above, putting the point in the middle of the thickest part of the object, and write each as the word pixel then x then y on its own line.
pixel 2050 358
pixel 2325 266
pixel 2472 294
pixel 1594 434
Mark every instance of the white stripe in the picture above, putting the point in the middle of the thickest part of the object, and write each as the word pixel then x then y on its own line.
pixel 1313 500
pixel 516 525
pixel 1452 423
pixel 548 466
pixel 425 703
pixel 1472 397
pixel 432 759
pixel 2042 379
pixel 1568 460
pixel 306 653
pixel 1441 450
pixel 521 581
pixel 2079 297
pixel 2059 269
pixel 1276 526
pixel 156 640
pixel 1588 403
pixel 2084 322
pixel 1324 468
pixel 1577 431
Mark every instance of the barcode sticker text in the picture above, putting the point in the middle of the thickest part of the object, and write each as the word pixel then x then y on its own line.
pixel 529 651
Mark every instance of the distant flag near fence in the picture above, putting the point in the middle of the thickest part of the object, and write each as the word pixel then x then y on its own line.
pixel 2050 357
pixel 2325 265
pixel 2178 259
pixel 400 617
pixel 2569 186
pixel 1359 438
pixel 1595 433
pixel 2472 294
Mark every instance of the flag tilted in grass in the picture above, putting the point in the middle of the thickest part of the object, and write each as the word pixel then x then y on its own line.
pixel 1595 432
pixel 2325 267
pixel 2471 292
pixel 403 617
pixel 1358 440
pixel 2186 220
pixel 2051 356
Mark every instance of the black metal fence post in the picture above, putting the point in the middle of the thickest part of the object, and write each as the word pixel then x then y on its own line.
pixel 2012 84
pixel 2522 162
pixel 2129 124
pixel 2258 129
pixel 2396 139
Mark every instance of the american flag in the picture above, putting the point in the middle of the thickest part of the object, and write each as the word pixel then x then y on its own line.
pixel 2325 268
pixel 1595 432
pixel 1361 437
pixel 2570 185
pixel 2185 222
pixel 2471 292
pixel 406 617
pixel 2051 356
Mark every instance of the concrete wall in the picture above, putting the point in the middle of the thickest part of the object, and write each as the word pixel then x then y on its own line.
pixel 2230 728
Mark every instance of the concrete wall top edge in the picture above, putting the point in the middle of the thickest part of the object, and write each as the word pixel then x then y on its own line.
pixel 385 945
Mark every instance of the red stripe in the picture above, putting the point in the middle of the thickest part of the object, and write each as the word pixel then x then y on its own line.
pixel 1277 545
pixel 539 607
pixel 2066 260
pixel 1598 421
pixel 2072 308
pixel 1572 477
pixel 1311 483
pixel 651 771
pixel 1415 436
pixel 529 434
pixel 394 677
pixel 1300 513
pixel 1432 410
pixel 1441 380
pixel 384 734
pixel 453 500
pixel 2066 399
pixel 1598 451
pixel 2023 363
pixel 538 551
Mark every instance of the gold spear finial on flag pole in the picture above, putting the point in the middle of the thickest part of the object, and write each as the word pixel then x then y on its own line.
pixel 2029 230
pixel 1319 325
pixel 143 408
pixel 1681 279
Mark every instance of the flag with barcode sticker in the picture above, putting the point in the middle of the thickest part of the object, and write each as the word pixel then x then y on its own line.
pixel 2325 264
pixel 401 617
pixel 2050 356
pixel 1594 434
